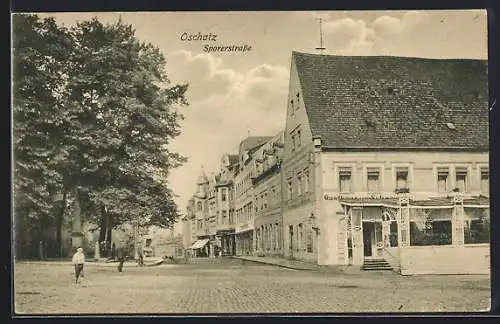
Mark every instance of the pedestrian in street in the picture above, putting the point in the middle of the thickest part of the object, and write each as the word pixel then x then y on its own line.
pixel 41 250
pixel 141 259
pixel 121 259
pixel 78 262
pixel 113 251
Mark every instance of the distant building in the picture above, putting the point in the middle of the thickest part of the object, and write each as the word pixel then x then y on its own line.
pixel 188 225
pixel 244 194
pixel 225 205
pixel 267 188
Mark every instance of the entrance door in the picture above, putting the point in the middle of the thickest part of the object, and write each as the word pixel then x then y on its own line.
pixel 367 239
pixel 291 239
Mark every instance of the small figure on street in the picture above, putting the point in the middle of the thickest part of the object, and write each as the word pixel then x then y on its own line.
pixel 121 259
pixel 41 250
pixel 78 262
pixel 113 251
pixel 97 252
pixel 140 260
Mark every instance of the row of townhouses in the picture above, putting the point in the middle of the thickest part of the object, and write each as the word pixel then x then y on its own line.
pixel 383 162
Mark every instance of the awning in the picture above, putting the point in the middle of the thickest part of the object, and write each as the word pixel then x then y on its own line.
pixel 199 244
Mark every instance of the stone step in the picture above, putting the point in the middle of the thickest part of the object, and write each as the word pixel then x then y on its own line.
pixel 376 264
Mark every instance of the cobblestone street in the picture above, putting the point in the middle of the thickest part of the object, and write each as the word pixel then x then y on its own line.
pixel 235 288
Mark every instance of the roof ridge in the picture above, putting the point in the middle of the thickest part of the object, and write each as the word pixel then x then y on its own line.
pixel 414 101
pixel 297 53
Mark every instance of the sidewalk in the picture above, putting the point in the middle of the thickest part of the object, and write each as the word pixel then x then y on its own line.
pixel 301 265
pixel 281 262
pixel 91 263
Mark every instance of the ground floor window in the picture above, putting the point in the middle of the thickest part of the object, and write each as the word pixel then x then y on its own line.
pixel 349 247
pixel 309 240
pixel 438 232
pixel 393 234
pixel 430 226
pixel 477 226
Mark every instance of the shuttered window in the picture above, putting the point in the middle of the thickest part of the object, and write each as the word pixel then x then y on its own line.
pixel 345 179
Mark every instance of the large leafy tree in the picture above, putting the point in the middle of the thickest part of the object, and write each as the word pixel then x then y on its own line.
pixel 125 123
pixel 40 51
pixel 109 113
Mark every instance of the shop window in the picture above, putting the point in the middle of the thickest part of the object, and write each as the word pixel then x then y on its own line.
pixel 373 179
pixel 290 189
pixel 443 174
pixel 309 240
pixel 301 237
pixel 461 179
pixel 345 179
pixel 271 237
pixel 277 236
pixel 485 180
pixel 402 177
pixel 306 181
pixel 356 217
pixel 437 232
pixel 477 227
pixel 349 247
pixel 393 234
pixel 299 184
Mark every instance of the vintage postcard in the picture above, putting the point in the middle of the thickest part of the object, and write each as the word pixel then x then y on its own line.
pixel 250 162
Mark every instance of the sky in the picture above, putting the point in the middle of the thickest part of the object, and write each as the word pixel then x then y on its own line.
pixel 233 94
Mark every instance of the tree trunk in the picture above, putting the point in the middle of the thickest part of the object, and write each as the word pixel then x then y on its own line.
pixel 59 225
pixel 103 227
pixel 109 228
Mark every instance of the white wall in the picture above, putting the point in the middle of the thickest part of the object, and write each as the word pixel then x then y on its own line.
pixel 465 259
pixel 422 166
pixel 295 217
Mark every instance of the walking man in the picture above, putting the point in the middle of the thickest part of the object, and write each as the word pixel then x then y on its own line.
pixel 78 262
pixel 121 259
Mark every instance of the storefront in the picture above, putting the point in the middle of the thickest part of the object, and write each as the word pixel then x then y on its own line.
pixel 244 243
pixel 201 248
pixel 226 242
pixel 447 235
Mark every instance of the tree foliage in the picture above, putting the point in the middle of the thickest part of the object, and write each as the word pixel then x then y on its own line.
pixel 93 115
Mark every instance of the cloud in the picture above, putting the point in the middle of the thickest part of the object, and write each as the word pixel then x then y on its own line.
pixel 433 34
pixel 224 106
pixel 348 36
pixel 202 71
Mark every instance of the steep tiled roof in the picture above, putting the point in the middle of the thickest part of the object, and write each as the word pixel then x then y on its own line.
pixel 233 158
pixel 252 142
pixel 395 102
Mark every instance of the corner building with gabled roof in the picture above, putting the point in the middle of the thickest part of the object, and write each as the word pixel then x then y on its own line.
pixel 385 163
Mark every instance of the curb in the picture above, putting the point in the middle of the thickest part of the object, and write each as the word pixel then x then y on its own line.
pixel 91 263
pixel 276 264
